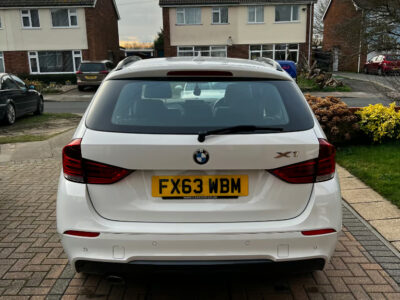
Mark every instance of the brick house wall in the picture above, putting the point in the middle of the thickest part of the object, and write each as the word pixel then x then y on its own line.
pixel 102 32
pixel 16 62
pixel 347 43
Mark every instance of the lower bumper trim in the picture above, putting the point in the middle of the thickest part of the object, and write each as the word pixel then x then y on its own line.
pixel 97 267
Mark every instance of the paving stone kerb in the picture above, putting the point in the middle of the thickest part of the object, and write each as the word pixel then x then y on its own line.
pixel 33 264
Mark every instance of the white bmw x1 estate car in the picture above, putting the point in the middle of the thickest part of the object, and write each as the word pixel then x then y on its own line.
pixel 158 175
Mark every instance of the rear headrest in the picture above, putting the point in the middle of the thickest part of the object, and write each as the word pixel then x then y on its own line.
pixel 161 90
pixel 237 92
pixel 146 108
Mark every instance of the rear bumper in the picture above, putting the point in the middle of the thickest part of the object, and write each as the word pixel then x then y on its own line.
pixel 129 251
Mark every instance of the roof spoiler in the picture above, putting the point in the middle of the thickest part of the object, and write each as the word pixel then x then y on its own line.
pixel 270 62
pixel 127 61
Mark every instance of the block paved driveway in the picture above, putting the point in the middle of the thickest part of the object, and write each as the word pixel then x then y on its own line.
pixel 33 265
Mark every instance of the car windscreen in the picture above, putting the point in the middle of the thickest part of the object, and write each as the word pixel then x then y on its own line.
pixel 168 106
pixel 92 67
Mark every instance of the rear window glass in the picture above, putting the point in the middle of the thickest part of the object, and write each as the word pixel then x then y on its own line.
pixel 392 57
pixel 92 67
pixel 191 106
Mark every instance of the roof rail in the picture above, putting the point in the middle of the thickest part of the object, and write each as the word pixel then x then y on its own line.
pixel 270 62
pixel 126 61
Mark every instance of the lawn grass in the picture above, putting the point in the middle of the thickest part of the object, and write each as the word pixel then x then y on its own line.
pixel 15 133
pixel 309 85
pixel 376 165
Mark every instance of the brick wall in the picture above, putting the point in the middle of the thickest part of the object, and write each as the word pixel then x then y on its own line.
pixel 102 32
pixel 16 62
pixel 342 31
pixel 169 50
pixel 238 51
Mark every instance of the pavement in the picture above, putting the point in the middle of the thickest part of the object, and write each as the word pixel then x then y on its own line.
pixel 365 265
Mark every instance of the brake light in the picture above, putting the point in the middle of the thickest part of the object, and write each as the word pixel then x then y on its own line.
pixel 199 73
pixel 79 72
pixel 77 169
pixel 316 170
pixel 104 72
pixel 318 231
pixel 82 233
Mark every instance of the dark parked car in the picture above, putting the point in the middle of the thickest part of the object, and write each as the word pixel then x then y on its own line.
pixel 383 64
pixel 17 99
pixel 92 73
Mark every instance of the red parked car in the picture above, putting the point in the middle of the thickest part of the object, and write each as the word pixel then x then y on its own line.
pixel 383 64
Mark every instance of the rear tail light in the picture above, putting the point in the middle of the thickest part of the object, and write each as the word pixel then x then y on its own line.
pixel 79 72
pixel 82 233
pixel 77 169
pixel 318 231
pixel 316 170
pixel 104 72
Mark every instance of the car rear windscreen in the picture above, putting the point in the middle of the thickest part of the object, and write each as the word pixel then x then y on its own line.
pixel 92 67
pixel 195 105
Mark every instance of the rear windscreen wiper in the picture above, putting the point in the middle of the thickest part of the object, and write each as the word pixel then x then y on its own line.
pixel 235 129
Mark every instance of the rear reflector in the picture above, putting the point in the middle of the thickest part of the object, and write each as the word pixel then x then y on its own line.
pixel 316 170
pixel 104 72
pixel 82 233
pixel 77 169
pixel 199 73
pixel 318 231
pixel 79 72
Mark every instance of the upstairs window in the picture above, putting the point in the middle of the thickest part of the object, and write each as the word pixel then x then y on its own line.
pixel 286 13
pixel 188 16
pixel 30 18
pixel 256 14
pixel 63 17
pixel 220 15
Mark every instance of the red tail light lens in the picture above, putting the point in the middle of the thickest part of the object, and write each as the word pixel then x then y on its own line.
pixel 316 170
pixel 318 231
pixel 77 169
pixel 82 233
pixel 104 72
pixel 79 72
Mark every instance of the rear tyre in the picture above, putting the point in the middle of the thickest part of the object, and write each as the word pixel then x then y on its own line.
pixel 81 88
pixel 40 107
pixel 10 116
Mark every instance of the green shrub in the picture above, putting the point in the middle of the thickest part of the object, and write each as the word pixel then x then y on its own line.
pixel 47 78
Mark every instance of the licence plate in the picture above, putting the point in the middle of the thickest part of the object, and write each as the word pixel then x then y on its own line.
pixel 200 186
pixel 90 77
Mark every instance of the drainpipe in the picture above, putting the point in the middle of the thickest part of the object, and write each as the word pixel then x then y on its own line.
pixel 310 34
pixel 360 46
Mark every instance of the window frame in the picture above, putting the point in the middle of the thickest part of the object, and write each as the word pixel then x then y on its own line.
pixel 291 13
pixel 29 16
pixel 182 10
pixel 274 50
pixel 262 7
pixel 211 49
pixel 218 10
pixel 70 14
pixel 35 55
pixel 2 63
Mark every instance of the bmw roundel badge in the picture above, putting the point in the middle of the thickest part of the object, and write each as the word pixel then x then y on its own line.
pixel 201 157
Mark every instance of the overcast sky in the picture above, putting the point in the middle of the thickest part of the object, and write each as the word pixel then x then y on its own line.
pixel 140 20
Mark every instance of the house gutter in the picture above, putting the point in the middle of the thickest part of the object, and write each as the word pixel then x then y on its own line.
pixel 310 34
pixel 360 46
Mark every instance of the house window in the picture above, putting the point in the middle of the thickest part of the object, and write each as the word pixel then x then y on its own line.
pixel 54 61
pixel 188 16
pixel 63 17
pixel 2 69
pixel 256 14
pixel 286 13
pixel 220 15
pixel 275 51
pixel 214 51
pixel 30 18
